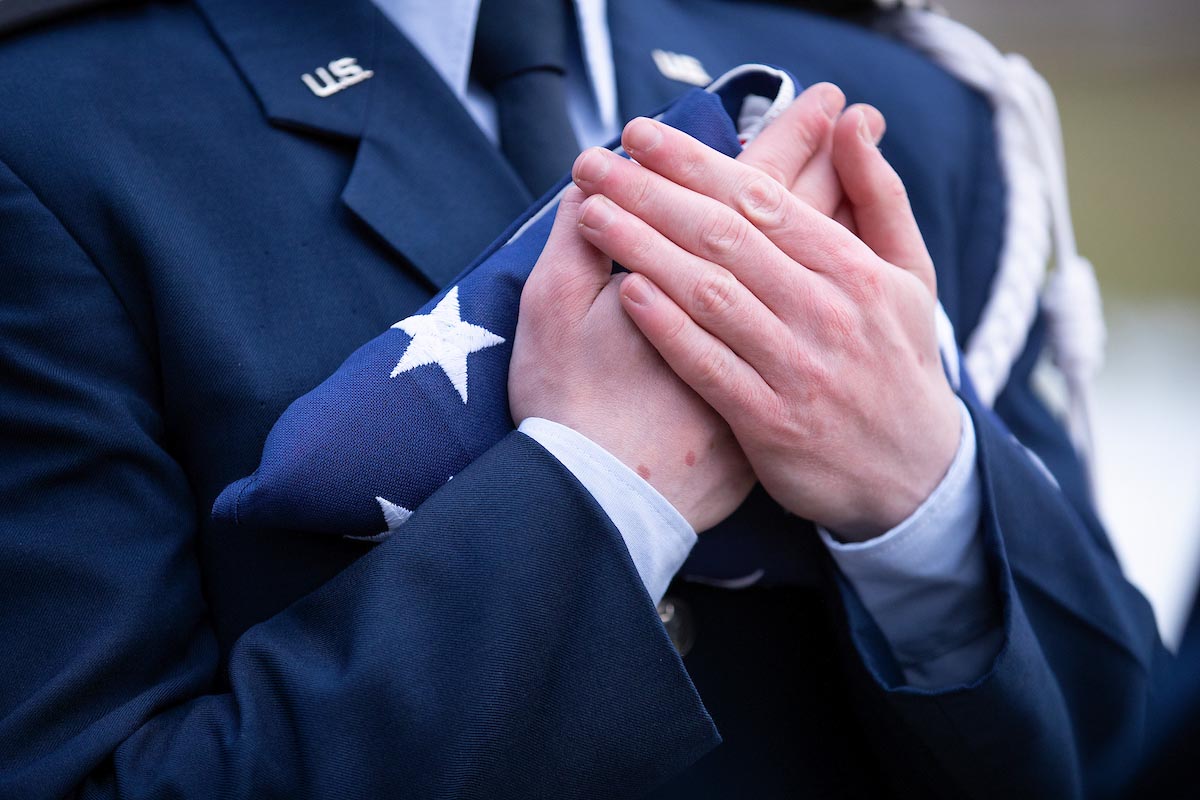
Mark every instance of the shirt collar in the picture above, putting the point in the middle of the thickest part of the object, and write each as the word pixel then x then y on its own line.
pixel 444 32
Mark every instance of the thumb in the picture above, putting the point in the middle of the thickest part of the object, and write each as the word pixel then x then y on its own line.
pixel 570 271
pixel 878 199
pixel 785 147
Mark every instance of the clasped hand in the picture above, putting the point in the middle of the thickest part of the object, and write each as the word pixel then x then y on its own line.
pixel 786 308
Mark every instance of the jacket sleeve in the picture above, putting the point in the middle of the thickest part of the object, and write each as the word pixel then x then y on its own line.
pixel 1065 700
pixel 503 646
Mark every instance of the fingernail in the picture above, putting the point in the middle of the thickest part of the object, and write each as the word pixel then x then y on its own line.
pixel 641 136
pixel 864 130
pixel 591 166
pixel 596 212
pixel 871 119
pixel 638 290
pixel 830 99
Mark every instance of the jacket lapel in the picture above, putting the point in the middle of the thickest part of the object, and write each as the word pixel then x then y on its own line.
pixel 425 178
pixel 646 36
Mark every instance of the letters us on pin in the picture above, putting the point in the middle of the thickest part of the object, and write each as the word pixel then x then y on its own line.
pixel 340 74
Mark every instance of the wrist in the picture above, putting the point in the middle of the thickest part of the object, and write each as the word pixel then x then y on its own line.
pixel 658 537
pixel 912 480
pixel 609 446
pixel 699 471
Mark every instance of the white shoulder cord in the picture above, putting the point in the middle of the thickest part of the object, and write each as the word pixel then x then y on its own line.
pixel 1030 141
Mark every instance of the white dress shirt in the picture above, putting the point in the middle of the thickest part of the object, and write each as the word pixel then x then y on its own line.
pixel 924 582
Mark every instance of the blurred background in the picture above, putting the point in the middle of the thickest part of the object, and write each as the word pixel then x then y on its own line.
pixel 1127 78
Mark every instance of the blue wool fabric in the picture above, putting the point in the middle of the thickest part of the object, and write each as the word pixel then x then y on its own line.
pixel 367 439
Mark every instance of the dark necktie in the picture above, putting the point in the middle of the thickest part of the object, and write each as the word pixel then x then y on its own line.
pixel 520 57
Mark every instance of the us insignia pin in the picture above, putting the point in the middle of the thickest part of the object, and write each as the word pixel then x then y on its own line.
pixel 340 74
pixel 680 67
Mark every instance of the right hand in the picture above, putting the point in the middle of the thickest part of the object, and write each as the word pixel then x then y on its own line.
pixel 820 351
pixel 579 361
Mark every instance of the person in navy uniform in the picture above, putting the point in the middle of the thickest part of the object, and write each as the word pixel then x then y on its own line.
pixel 204 207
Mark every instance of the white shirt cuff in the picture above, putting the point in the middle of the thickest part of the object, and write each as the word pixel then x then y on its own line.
pixel 925 581
pixel 658 537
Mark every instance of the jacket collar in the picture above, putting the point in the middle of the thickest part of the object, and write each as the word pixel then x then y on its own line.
pixel 444 32
pixel 421 159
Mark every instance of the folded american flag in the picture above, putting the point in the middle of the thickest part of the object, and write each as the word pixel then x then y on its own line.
pixel 421 401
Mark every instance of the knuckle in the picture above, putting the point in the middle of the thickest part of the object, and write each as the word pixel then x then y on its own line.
pixel 776 415
pixel 842 254
pixel 745 397
pixel 865 289
pixel 762 200
pixel 837 319
pixel 722 234
pixel 712 367
pixel 715 293
pixel 641 246
pixel 801 362
pixel 676 328
pixel 800 414
pixel 818 377
pixel 641 192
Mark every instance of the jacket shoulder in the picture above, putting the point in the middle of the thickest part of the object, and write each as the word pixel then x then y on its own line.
pixel 91 48
pixel 16 15
pixel 104 74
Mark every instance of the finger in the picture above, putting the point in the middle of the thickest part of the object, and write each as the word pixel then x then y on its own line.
pixel 711 295
pixel 570 271
pixel 688 162
pixel 818 183
pixel 807 236
pixel 844 216
pixel 823 244
pixel 786 146
pixel 701 360
pixel 876 123
pixel 700 225
pixel 878 199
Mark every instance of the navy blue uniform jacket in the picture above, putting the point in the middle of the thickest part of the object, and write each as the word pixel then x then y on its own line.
pixel 190 238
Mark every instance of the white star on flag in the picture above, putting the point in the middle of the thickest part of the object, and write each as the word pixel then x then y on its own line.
pixel 442 337
pixel 395 515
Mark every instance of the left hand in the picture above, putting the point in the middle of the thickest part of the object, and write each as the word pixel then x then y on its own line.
pixel 578 360
pixel 818 347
